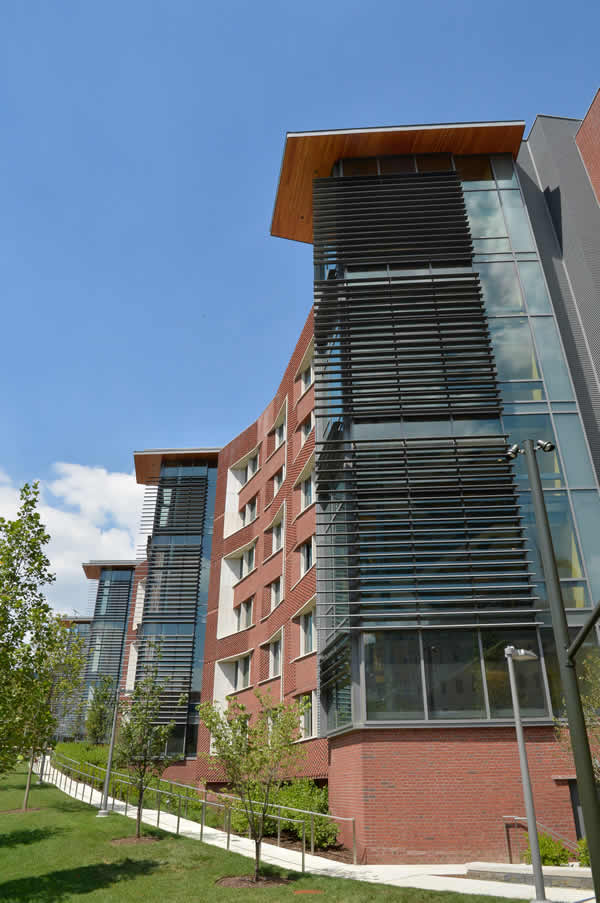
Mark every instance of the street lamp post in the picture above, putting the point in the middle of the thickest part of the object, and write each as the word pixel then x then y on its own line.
pixel 513 655
pixel 566 652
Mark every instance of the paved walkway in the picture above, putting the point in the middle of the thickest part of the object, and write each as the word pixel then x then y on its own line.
pixel 427 877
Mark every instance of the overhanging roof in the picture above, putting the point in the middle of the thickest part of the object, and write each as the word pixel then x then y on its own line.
pixel 310 155
pixel 147 463
pixel 92 569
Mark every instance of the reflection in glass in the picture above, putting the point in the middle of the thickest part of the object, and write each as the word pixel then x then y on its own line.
pixel 485 214
pixel 525 391
pixel 475 171
pixel 551 358
pixel 574 450
pixel 393 676
pixel 360 166
pixel 513 348
pixel 534 287
pixel 453 674
pixel 433 162
pixel 501 290
pixel 518 227
pixel 396 164
pixel 530 683
pixel 566 548
pixel 504 170
pixel 491 245
pixel 534 426
pixel 587 511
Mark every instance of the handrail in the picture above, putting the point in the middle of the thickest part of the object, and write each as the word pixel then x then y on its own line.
pixel 313 813
pixel 522 821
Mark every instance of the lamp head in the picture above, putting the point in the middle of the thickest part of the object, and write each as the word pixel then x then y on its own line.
pixel 520 655
pixel 545 445
pixel 513 452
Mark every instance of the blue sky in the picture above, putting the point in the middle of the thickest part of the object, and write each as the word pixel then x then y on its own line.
pixel 144 302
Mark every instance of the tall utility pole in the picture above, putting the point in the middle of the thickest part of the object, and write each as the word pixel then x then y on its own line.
pixel 566 652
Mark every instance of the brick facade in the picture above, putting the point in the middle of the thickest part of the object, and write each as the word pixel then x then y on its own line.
pixel 588 142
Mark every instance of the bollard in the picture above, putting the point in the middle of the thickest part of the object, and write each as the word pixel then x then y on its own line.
pixel 312 834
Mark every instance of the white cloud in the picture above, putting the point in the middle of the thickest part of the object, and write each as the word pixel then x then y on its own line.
pixel 90 513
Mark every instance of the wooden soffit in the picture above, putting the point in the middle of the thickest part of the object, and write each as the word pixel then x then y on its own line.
pixel 93 569
pixel 148 463
pixel 311 155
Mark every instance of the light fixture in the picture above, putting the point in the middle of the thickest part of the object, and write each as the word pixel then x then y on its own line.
pixel 545 445
pixel 520 655
pixel 513 452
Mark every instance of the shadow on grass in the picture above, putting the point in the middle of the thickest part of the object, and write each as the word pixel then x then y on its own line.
pixel 62 885
pixel 14 838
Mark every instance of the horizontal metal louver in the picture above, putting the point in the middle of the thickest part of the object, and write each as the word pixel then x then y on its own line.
pixel 411 219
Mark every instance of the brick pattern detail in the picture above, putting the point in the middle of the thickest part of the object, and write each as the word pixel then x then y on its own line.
pixel 588 142
pixel 439 794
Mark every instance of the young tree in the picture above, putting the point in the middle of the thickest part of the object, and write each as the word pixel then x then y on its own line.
pixel 256 752
pixel 589 686
pixel 141 741
pixel 100 711
pixel 56 676
pixel 24 620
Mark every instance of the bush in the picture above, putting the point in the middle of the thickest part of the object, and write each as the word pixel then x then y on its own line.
pixel 552 852
pixel 584 853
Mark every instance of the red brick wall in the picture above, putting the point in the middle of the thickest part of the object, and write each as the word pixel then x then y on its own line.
pixel 439 794
pixel 588 142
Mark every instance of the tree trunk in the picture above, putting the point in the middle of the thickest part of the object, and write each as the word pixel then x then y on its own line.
pixel 138 821
pixel 28 785
pixel 257 844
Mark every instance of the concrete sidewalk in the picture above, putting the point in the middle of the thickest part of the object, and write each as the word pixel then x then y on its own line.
pixel 426 877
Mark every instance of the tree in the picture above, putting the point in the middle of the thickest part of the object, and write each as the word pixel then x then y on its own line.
pixel 25 618
pixel 57 675
pixel 141 741
pixel 589 687
pixel 257 752
pixel 100 711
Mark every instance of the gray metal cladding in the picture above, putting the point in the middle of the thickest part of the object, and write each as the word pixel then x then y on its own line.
pixel 566 221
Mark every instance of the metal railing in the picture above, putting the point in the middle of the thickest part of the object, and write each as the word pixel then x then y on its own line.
pixel 173 801
pixel 521 822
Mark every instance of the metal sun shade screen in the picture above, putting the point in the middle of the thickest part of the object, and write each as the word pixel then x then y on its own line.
pixel 407 526
pixel 171 594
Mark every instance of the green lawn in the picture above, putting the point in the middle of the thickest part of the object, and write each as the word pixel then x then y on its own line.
pixel 62 853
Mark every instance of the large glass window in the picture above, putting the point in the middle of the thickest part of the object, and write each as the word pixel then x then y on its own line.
pixel 501 291
pixel 513 348
pixel 587 512
pixel 393 676
pixel 530 682
pixel 518 227
pixel 485 214
pixel 534 287
pixel 574 450
pixel 564 539
pixel 552 359
pixel 453 674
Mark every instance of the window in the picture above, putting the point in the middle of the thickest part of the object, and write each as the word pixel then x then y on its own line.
pixel 278 481
pixel 307 491
pixel 306 725
pixel 307 632
pixel 275 593
pixel 247 561
pixel 306 557
pixel 307 377
pixel 277 536
pixel 251 466
pixel 275 658
pixel 243 615
pixel 306 428
pixel 279 434
pixel 249 512
pixel 241 678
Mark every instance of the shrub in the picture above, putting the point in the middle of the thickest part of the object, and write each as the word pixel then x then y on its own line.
pixel 584 853
pixel 84 752
pixel 552 852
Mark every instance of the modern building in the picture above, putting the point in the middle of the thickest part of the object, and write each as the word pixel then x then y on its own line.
pixel 366 543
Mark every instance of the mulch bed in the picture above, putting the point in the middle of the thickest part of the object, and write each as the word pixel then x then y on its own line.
pixel 247 881
pixel 20 811
pixel 122 841
pixel 290 842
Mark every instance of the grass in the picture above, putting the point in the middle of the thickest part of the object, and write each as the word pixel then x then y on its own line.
pixel 62 853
